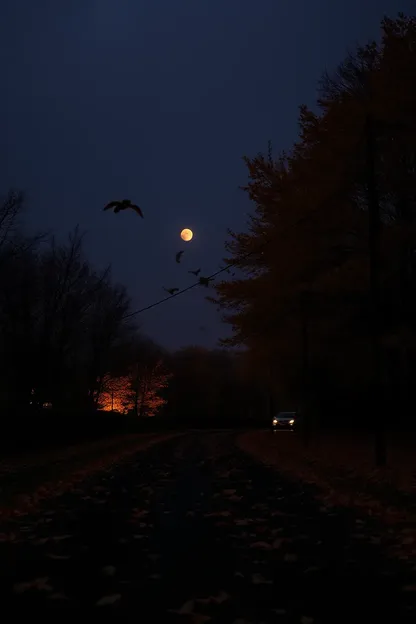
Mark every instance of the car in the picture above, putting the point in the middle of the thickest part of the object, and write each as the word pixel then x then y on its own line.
pixel 284 420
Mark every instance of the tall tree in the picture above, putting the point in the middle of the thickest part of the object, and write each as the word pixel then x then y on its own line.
pixel 308 231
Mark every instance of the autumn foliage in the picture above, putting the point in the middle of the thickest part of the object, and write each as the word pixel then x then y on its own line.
pixel 307 237
pixel 140 391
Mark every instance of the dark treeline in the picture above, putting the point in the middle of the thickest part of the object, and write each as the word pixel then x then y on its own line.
pixel 303 307
pixel 213 388
pixel 73 367
pixel 62 335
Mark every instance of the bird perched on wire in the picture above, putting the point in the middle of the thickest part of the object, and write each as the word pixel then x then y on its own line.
pixel 123 205
pixel 171 291
pixel 204 281
pixel 178 256
pixel 224 268
pixel 196 273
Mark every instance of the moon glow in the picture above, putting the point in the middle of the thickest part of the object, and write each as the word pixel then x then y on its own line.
pixel 186 235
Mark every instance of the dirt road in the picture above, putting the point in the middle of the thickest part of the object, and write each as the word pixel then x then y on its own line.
pixel 194 530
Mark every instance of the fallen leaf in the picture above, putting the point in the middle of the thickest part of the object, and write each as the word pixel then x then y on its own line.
pixel 409 588
pixel 306 620
pixel 139 513
pixel 261 545
pixel 229 492
pixel 186 609
pixel 311 569
pixel 218 514
pixel 240 574
pixel 108 570
pixel 277 543
pixel 408 540
pixel 58 557
pixel 279 611
pixel 154 556
pixel 258 579
pixel 41 541
pixel 242 522
pixel 221 597
pixel 198 618
pixel 58 596
pixel 40 584
pixel 291 558
pixel 108 600
pixel 155 576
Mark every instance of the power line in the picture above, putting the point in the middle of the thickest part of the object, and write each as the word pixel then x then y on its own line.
pixel 226 268
pixel 210 277
pixel 233 264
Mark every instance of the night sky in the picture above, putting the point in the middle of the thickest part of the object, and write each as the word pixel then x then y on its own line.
pixel 157 101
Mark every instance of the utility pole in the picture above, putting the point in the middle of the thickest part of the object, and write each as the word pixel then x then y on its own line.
pixel 305 366
pixel 270 393
pixel 374 253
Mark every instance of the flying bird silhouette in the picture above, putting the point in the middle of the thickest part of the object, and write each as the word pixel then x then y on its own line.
pixel 179 256
pixel 123 205
pixel 196 273
pixel 204 281
pixel 171 291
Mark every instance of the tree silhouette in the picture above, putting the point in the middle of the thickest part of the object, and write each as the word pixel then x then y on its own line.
pixel 308 229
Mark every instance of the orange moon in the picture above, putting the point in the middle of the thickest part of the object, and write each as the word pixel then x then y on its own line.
pixel 186 235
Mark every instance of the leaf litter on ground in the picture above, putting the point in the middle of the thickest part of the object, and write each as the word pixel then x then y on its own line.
pixel 40 584
pixel 261 546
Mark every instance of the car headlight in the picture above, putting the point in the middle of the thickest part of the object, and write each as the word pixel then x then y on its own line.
pixel 275 421
pixel 291 422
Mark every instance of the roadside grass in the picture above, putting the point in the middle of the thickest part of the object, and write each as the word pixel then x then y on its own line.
pixel 341 470
pixel 27 480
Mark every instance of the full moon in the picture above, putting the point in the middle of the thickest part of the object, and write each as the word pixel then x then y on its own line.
pixel 186 235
